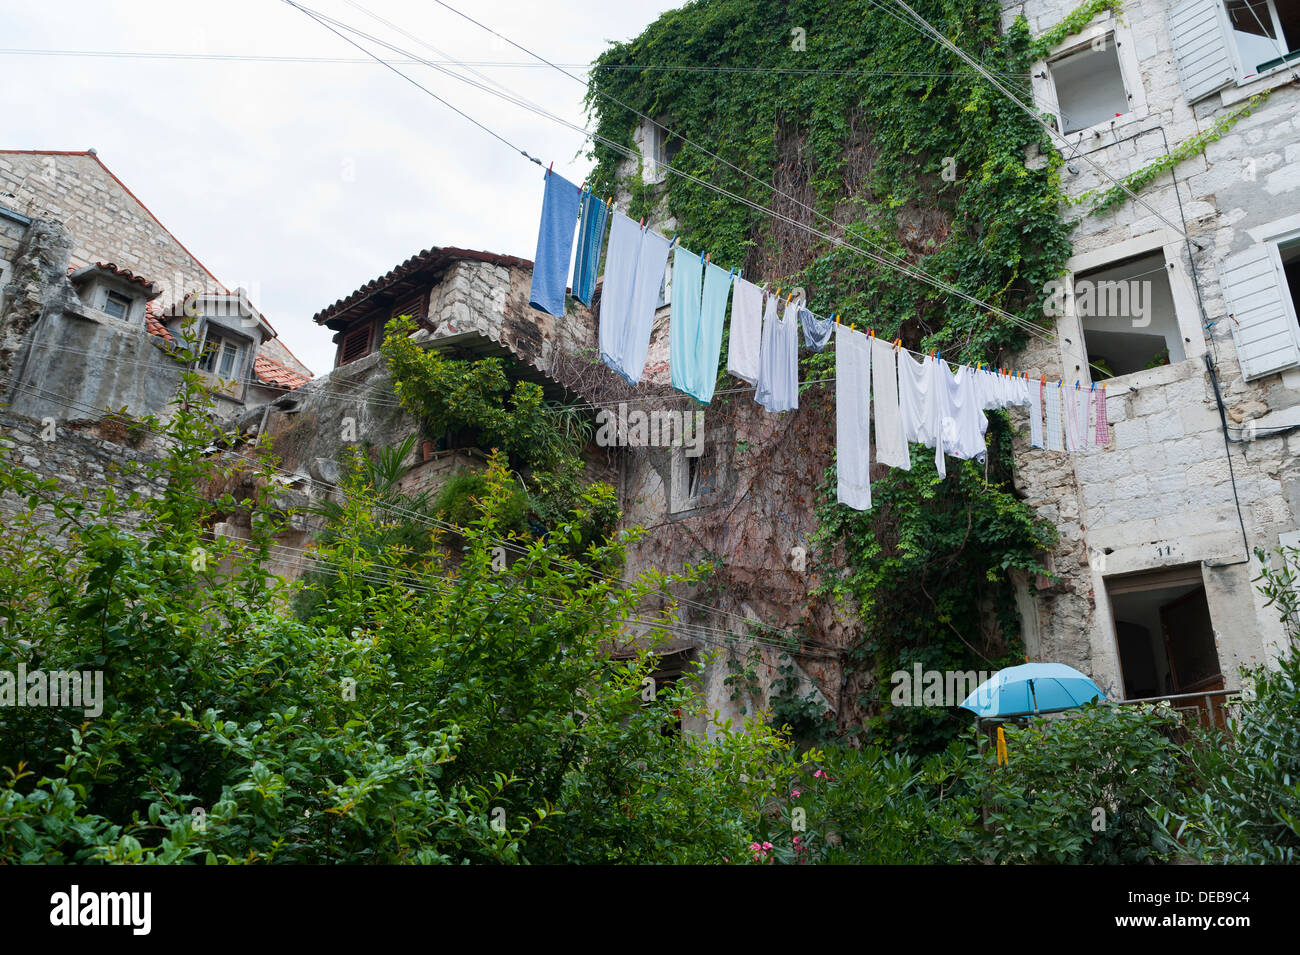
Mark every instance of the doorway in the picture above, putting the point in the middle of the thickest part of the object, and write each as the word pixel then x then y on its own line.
pixel 1164 633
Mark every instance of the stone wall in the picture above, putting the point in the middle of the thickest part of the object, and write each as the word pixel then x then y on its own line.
pixel 1162 494
pixel 108 224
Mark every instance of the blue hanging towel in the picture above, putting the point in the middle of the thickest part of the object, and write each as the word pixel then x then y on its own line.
pixel 554 245
pixel 717 290
pixel 684 319
pixel 591 233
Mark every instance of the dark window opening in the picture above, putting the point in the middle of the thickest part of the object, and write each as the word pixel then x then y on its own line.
pixel 1165 634
pixel 1128 316
pixel 1266 32
pixel 1290 253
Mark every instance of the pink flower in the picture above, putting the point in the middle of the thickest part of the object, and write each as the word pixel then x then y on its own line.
pixel 794 793
pixel 767 846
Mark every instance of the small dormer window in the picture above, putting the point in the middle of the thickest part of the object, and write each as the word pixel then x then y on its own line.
pixel 116 305
pixel 221 357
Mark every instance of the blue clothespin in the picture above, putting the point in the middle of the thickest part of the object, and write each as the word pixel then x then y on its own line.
pixel 733 274
pixel 702 255
pixel 674 242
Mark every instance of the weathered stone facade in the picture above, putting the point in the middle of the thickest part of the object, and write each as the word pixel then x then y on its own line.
pixel 1169 492
pixel 108 224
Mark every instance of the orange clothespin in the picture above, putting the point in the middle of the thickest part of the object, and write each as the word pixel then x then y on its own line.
pixel 898 343
pixel 837 318
pixel 871 332
pixel 707 257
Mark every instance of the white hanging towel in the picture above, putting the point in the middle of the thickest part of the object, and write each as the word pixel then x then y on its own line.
pixel 746 331
pixel 891 446
pixel 853 418
pixel 920 404
pixel 964 421
pixel 1076 418
pixel 1036 415
pixel 1052 414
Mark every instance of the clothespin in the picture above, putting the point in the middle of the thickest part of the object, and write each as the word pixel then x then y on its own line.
pixel 733 272
pixel 1094 387
pixel 852 325
pixel 609 203
pixel 898 343
pixel 1076 384
pixel 642 222
pixel 551 168
pixel 871 332
pixel 788 298
pixel 837 318
pixel 708 257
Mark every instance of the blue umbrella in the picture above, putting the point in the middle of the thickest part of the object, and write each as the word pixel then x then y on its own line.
pixel 1032 688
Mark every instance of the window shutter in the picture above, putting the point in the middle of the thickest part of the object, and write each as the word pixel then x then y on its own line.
pixel 355 344
pixel 1262 325
pixel 1198 30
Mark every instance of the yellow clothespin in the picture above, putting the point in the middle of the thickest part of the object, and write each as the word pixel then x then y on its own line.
pixel 852 326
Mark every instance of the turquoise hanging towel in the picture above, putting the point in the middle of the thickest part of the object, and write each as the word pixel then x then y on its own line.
pixel 591 235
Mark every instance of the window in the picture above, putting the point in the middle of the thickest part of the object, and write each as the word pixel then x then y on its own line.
pixel 1089 85
pixel 1128 316
pixel 1264 32
pixel 660 150
pixel 116 305
pixel 1164 633
pixel 221 357
pixel 1219 42
pixel 1261 289
pixel 355 344
pixel 694 479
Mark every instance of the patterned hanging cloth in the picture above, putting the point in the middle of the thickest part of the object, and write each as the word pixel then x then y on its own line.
pixel 1103 423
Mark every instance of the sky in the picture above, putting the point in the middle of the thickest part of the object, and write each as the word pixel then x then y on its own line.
pixel 304 181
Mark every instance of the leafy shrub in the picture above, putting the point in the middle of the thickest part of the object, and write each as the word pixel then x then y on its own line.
pixel 1244 807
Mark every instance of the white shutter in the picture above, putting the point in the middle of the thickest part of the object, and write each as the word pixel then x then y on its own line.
pixel 1261 321
pixel 1199 32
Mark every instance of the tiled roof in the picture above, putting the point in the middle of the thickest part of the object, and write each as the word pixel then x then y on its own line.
pixel 271 372
pixel 152 324
pixel 427 261
pixel 127 274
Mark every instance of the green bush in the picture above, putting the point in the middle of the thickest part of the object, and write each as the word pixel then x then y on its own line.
pixel 1244 807
pixel 1077 788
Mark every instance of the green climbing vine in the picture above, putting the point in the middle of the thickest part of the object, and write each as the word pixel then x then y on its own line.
pixel 1104 200
pixel 905 152
pixel 1072 24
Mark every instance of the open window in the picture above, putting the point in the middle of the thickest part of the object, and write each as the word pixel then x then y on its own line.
pixel 1220 42
pixel 1265 33
pixel 1128 316
pixel 1164 632
pixel 1089 85
pixel 694 478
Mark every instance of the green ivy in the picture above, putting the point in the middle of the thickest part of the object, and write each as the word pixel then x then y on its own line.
pixel 1071 25
pixel 916 157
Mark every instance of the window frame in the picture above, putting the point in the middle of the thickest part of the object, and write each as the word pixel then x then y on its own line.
pixel 1252 73
pixel 1044 82
pixel 126 302
pixel 214 355
pixel 1181 288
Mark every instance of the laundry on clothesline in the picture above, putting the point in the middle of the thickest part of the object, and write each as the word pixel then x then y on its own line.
pixel 591 236
pixel 560 200
pixel 634 271
pixel 912 398
pixel 816 331
pixel 853 357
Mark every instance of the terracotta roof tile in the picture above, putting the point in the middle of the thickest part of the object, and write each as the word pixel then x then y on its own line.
pixel 271 372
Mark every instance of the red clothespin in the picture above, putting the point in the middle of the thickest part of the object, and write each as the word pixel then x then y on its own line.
pixel 551 168
pixel 642 222
pixel 708 257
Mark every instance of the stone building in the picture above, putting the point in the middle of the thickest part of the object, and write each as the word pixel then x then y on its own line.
pixel 1184 304
pixel 94 291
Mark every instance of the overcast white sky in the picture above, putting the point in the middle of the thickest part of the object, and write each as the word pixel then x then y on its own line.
pixel 303 181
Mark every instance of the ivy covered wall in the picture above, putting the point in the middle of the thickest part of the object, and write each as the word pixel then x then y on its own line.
pixel 847 109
